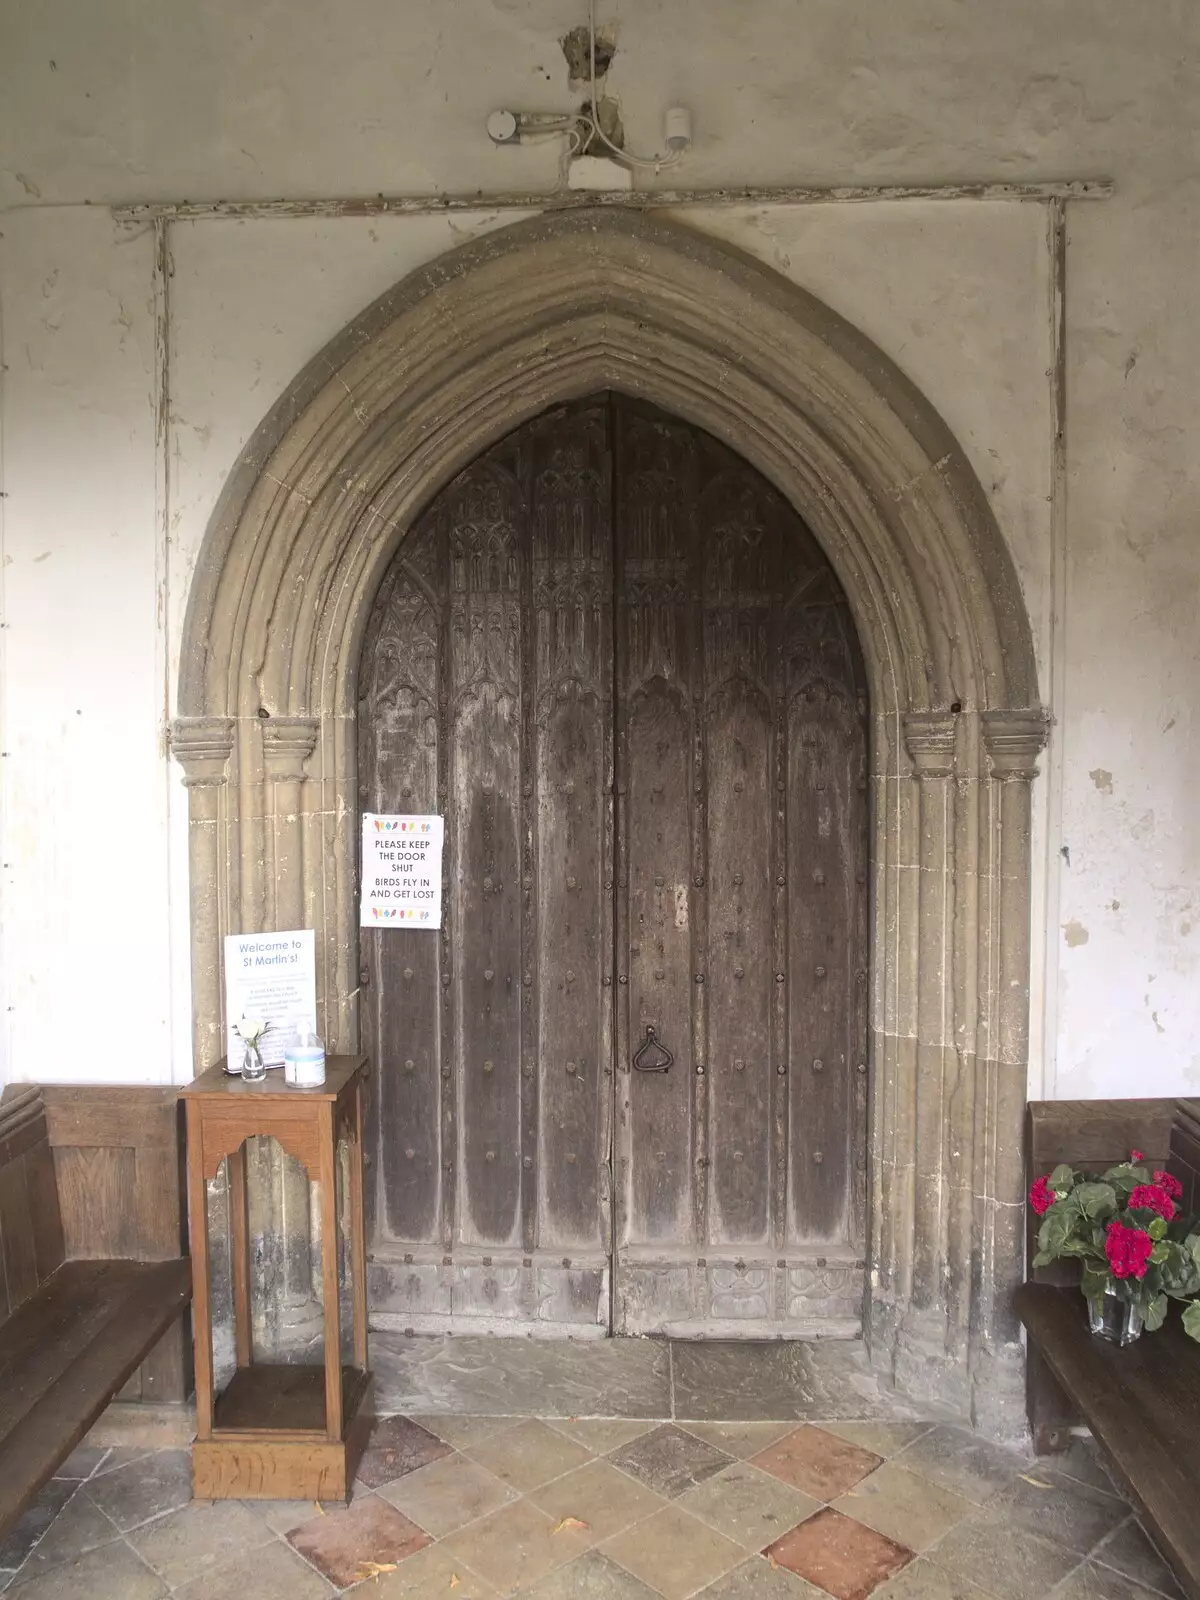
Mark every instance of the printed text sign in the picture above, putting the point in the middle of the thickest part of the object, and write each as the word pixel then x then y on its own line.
pixel 401 872
pixel 271 976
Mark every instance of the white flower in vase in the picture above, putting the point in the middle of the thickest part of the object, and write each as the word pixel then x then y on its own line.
pixel 250 1031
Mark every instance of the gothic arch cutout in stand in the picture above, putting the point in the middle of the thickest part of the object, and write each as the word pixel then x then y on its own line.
pixel 424 381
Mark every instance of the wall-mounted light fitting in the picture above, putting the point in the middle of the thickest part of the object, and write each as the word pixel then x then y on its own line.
pixel 512 127
pixel 592 138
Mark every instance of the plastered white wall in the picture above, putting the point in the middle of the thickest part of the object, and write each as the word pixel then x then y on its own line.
pixel 1129 1003
pixel 85 869
pixel 259 98
pixel 118 104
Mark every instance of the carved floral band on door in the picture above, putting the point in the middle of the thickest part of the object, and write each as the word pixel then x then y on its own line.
pixel 618 662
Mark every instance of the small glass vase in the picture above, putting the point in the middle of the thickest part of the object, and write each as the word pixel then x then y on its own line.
pixel 1114 1319
pixel 253 1070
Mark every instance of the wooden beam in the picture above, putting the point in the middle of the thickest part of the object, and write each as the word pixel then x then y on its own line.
pixel 1047 939
pixel 633 200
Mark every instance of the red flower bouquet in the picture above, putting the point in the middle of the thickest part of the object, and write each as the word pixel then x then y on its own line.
pixel 1124 1227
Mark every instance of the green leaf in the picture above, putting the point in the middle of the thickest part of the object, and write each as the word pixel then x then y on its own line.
pixel 1096 1200
pixel 1180 1276
pixel 1063 1177
pixel 1055 1231
pixel 1191 1320
pixel 1076 1247
pixel 1154 1314
pixel 1157 1229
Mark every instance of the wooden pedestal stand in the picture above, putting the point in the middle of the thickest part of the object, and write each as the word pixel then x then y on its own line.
pixel 278 1432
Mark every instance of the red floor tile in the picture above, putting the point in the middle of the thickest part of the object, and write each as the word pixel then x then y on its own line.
pixel 396 1447
pixel 348 1545
pixel 839 1555
pixel 817 1462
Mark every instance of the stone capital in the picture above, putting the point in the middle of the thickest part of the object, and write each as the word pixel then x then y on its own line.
pixel 929 740
pixel 202 747
pixel 1014 740
pixel 287 744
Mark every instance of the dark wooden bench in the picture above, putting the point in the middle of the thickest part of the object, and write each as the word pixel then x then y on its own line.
pixel 1141 1403
pixel 93 1280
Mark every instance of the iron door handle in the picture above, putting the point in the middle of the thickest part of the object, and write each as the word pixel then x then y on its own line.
pixel 651 1055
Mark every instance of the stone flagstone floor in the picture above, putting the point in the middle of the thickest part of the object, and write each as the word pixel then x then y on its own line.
pixel 472 1507
pixel 625 1469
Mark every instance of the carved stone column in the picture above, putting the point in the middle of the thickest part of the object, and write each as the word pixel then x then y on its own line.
pixel 202 746
pixel 1012 741
pixel 287 744
pixel 292 1317
pixel 926 1363
pixel 894 1042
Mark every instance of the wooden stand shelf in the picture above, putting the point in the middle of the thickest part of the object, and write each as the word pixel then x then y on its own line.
pixel 278 1432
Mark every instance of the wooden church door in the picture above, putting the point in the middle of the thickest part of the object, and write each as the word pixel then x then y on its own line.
pixel 624 1088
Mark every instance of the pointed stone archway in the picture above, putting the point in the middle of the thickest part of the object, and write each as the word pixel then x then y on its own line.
pixel 458 355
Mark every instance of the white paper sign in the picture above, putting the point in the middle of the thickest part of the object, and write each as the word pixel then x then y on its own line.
pixel 271 976
pixel 401 872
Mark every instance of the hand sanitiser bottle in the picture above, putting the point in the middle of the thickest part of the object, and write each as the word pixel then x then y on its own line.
pixel 304 1060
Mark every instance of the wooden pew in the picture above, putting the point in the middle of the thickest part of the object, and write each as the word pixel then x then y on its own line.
pixel 1142 1403
pixel 93 1280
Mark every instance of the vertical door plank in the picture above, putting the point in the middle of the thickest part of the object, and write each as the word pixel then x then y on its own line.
pixel 572 694
pixel 741 538
pixel 657 637
pixel 484 514
pixel 400 740
pixel 824 994
pixel 660 1129
pixel 740 971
